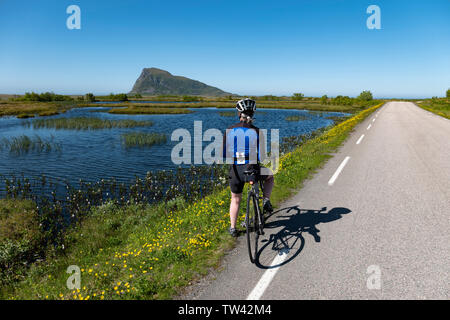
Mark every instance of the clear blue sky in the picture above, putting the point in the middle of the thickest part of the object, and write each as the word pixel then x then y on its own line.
pixel 246 47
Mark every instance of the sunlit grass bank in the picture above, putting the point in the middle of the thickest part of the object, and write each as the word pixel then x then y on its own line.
pixel 153 252
pixel 142 139
pixel 85 123
pixel 438 106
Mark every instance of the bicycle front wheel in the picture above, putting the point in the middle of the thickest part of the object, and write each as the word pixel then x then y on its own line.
pixel 251 222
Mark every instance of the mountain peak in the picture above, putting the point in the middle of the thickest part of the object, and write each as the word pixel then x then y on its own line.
pixel 156 81
pixel 156 71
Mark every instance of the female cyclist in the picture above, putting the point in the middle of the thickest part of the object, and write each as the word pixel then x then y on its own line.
pixel 242 144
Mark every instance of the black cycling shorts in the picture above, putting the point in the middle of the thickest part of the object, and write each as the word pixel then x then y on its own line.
pixel 237 178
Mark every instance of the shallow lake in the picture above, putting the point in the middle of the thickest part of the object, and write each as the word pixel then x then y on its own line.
pixel 92 155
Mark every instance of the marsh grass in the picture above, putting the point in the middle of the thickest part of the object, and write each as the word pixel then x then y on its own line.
pixel 85 123
pixel 29 108
pixel 296 118
pixel 24 144
pixel 48 113
pixel 154 108
pixel 142 139
pixel 25 109
pixel 149 110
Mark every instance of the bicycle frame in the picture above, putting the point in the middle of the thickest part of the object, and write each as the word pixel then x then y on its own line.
pixel 255 190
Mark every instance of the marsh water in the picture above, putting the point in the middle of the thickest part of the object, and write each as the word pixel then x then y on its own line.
pixel 92 155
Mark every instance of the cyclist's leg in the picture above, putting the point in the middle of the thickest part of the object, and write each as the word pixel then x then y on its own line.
pixel 236 186
pixel 234 208
pixel 268 186
pixel 268 182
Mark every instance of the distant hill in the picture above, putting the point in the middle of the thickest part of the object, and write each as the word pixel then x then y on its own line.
pixel 153 81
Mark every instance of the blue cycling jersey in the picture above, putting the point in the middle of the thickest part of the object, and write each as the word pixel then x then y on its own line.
pixel 241 144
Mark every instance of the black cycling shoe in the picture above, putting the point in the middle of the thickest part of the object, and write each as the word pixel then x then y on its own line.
pixel 267 206
pixel 233 232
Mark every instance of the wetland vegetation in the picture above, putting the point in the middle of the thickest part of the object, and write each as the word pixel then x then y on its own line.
pixel 24 144
pixel 47 104
pixel 84 123
pixel 142 139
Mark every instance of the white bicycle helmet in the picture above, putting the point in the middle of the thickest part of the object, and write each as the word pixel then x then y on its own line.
pixel 247 106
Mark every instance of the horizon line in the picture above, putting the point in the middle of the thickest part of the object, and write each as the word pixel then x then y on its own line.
pixel 239 95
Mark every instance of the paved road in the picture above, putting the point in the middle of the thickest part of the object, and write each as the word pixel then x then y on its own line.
pixel 381 230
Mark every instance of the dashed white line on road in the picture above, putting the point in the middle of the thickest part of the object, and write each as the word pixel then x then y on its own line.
pixel 338 171
pixel 267 277
pixel 369 126
pixel 373 120
pixel 359 140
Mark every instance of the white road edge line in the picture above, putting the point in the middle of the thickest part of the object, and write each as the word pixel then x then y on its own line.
pixel 267 277
pixel 359 140
pixel 338 171
pixel 369 126
pixel 373 120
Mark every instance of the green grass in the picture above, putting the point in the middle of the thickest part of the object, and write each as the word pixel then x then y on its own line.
pixel 20 238
pixel 438 106
pixel 85 123
pixel 142 139
pixel 153 252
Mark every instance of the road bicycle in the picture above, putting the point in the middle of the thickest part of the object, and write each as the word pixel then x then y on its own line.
pixel 254 217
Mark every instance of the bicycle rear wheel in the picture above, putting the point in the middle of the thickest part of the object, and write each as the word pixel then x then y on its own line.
pixel 251 222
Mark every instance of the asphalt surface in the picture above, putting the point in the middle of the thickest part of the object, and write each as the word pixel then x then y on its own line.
pixel 381 230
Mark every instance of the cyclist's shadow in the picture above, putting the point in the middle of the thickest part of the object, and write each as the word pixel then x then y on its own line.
pixel 289 240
